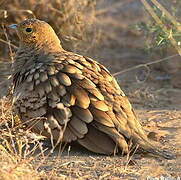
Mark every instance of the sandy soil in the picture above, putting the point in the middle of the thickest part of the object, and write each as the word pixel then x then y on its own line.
pixel 157 103
pixel 162 121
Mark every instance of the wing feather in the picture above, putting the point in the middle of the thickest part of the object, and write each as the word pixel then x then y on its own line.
pixel 80 94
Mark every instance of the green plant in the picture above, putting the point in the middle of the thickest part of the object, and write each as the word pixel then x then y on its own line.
pixel 157 37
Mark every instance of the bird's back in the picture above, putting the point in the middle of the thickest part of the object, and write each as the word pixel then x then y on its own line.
pixel 76 95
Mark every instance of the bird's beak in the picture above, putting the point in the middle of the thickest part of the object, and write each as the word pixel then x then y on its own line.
pixel 13 26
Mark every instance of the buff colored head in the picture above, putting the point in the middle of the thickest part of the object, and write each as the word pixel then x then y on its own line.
pixel 35 32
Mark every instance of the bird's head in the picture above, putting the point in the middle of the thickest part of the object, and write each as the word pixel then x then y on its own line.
pixel 33 32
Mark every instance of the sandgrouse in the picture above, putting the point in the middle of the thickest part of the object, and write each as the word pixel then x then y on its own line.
pixel 67 96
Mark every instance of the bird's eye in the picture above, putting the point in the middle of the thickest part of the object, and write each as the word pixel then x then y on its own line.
pixel 28 30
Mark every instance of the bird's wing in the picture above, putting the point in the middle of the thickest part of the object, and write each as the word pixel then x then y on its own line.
pixel 79 93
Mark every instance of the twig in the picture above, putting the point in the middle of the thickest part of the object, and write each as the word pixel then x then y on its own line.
pixel 19 10
pixel 145 65
pixel 130 157
pixel 169 16
pixel 3 41
pixel 9 44
pixel 162 25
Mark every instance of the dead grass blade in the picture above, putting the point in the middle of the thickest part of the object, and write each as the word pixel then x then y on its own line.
pixel 145 65
pixel 159 22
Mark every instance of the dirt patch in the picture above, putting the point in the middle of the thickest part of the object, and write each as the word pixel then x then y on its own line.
pixel 154 93
pixel 79 163
pixel 161 122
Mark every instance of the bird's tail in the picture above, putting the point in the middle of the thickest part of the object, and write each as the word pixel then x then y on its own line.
pixel 150 147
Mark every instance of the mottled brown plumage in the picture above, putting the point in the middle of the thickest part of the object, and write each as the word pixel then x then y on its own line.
pixel 74 97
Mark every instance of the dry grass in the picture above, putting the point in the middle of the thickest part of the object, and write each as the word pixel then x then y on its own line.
pixel 13 165
pixel 20 149
pixel 77 24
pixel 72 20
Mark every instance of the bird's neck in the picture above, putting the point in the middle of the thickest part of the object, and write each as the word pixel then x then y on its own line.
pixel 42 47
pixel 27 56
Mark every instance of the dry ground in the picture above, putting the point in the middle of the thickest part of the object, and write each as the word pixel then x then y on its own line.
pixel 161 119
pixel 156 102
pixel 85 165
pixel 158 106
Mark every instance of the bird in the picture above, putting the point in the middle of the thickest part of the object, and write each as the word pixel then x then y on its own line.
pixel 69 97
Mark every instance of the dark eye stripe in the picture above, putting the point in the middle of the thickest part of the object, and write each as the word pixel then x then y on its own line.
pixel 28 29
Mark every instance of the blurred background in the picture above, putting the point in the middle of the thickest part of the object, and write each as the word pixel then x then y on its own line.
pixel 128 37
pixel 119 34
